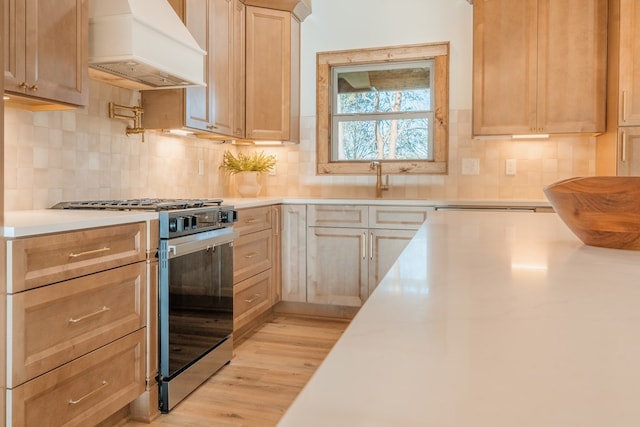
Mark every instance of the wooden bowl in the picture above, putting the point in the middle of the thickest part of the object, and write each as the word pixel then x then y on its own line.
pixel 601 210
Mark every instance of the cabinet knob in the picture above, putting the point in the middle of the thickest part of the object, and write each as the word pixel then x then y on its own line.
pixel 23 85
pixel 210 127
pixel 33 88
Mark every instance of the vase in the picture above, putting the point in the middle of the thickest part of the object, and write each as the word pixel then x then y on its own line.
pixel 248 183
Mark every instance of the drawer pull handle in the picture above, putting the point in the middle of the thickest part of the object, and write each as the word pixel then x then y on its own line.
pixel 91 393
pixel 250 220
pixel 95 251
pixel 250 255
pixel 104 309
pixel 255 297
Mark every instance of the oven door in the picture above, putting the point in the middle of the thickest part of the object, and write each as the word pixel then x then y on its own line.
pixel 195 297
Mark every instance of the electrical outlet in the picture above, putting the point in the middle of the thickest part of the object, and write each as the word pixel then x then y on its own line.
pixel 510 167
pixel 471 166
pixel 272 171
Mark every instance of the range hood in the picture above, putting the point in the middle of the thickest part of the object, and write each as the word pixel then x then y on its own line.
pixel 144 44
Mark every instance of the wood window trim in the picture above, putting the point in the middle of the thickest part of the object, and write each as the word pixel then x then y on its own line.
pixel 439 52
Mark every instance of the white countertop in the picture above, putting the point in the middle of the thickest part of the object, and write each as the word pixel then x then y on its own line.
pixel 488 320
pixel 264 201
pixel 44 221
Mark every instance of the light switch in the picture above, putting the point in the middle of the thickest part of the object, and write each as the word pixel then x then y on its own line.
pixel 200 167
pixel 510 167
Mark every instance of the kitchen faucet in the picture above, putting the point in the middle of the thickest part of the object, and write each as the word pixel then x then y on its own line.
pixel 380 187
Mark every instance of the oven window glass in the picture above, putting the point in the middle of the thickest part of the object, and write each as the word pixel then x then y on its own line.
pixel 200 304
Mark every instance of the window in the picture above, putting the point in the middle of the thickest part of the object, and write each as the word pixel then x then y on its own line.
pixel 387 104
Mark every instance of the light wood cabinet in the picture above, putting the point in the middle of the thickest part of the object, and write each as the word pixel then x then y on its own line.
pixel 42 260
pixel 628 163
pixel 218 108
pixel 84 391
pixel 272 75
pixel 351 248
pixel 617 150
pixel 294 253
pixel 629 73
pixel 539 66
pixel 254 268
pixel 252 74
pixel 76 342
pixel 45 51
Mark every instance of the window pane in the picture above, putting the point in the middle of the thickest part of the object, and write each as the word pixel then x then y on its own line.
pixel 383 88
pixel 399 139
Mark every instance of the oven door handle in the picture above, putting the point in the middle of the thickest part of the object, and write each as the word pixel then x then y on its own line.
pixel 199 242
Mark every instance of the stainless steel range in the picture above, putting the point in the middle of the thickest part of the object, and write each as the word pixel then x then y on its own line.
pixel 195 288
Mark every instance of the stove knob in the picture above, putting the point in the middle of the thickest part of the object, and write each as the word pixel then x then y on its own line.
pixel 180 224
pixel 228 217
pixel 173 225
pixel 194 222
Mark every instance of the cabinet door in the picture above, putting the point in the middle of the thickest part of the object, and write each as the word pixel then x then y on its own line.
pixel 252 254
pixel 504 66
pixel 275 292
pixel 572 51
pixel 629 151
pixel 385 248
pixel 46 49
pixel 538 66
pixel 226 60
pixel 629 114
pixel 337 266
pixel 294 253
pixel 13 44
pixel 198 14
pixel 268 68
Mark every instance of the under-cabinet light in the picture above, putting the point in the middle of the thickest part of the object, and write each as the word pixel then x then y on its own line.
pixel 531 136
pixel 180 132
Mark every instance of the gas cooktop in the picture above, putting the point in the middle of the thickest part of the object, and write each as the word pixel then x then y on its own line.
pixel 139 204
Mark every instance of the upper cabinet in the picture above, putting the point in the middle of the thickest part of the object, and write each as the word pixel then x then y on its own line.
pixel 273 75
pixel 629 63
pixel 618 150
pixel 218 26
pixel 45 52
pixel 252 73
pixel 539 66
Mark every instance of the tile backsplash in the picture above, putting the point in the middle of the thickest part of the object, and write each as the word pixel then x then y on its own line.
pixel 82 154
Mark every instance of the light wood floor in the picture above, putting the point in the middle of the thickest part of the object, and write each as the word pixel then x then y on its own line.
pixel 267 372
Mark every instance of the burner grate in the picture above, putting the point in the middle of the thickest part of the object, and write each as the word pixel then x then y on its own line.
pixel 138 204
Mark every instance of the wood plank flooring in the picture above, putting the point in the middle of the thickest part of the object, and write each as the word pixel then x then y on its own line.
pixel 266 374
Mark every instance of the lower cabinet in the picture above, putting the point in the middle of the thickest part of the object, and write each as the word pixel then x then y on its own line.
pixel 76 336
pixel 628 151
pixel 84 391
pixel 337 255
pixel 255 270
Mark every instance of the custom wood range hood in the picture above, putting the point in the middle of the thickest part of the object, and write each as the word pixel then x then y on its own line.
pixel 142 44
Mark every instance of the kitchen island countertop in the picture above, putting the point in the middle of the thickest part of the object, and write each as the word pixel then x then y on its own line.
pixel 488 320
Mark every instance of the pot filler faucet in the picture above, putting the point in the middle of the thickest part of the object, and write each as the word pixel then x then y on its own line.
pixel 380 187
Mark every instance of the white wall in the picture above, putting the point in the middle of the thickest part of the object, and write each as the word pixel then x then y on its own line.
pixel 353 24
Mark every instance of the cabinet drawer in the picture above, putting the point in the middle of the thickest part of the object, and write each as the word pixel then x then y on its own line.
pixel 397 217
pixel 55 324
pixel 252 254
pixel 251 298
pixel 251 220
pixel 337 216
pixel 85 391
pixel 36 261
